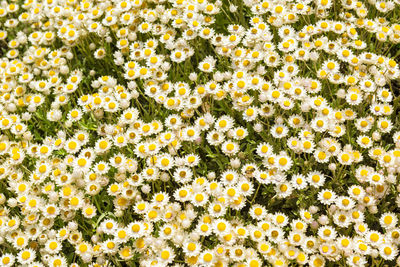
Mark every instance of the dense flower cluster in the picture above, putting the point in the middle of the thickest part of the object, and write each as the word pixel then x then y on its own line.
pixel 199 133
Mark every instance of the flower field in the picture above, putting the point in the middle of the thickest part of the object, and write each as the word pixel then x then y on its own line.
pixel 240 133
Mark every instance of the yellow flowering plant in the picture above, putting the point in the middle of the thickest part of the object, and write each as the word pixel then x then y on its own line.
pixel 199 133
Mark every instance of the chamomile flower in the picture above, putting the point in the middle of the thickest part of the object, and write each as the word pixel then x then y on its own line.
pixel 284 162
pixel 326 197
pixel 230 148
pixel 26 256
pixel 207 65
pixel 299 181
pixel 224 123
pixel 283 189
pixel 52 246
pixel 7 259
pixel 388 220
pixel 191 248
pixel 264 149
pixel 279 131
